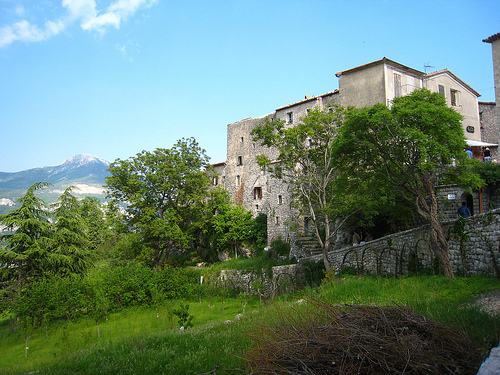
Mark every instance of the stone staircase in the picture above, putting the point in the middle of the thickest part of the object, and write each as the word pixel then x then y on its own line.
pixel 309 244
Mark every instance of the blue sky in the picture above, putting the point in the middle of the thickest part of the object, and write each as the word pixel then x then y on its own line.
pixel 114 77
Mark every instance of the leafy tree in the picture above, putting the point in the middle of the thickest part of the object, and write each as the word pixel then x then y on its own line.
pixel 165 191
pixel 490 174
pixel 259 232
pixel 26 254
pixel 307 163
pixel 408 149
pixel 226 227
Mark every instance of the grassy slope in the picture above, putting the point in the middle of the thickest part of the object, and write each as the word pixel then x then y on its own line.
pixel 137 341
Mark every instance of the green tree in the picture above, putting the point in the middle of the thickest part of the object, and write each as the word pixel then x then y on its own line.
pixel 70 247
pixel 226 226
pixel 165 192
pixel 93 215
pixel 408 149
pixel 26 254
pixel 490 174
pixel 307 163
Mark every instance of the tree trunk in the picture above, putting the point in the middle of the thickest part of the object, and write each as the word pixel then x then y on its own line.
pixel 441 248
pixel 326 261
pixel 429 211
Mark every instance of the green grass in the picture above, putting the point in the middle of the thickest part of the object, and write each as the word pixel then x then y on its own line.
pixel 136 341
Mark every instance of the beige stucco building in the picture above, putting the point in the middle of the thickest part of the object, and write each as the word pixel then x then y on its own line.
pixel 383 80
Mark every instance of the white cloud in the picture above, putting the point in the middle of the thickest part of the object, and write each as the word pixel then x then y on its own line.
pixel 19 10
pixel 26 32
pixel 82 11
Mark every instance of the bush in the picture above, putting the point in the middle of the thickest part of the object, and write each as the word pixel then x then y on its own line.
pixel 128 285
pixel 279 248
pixel 314 273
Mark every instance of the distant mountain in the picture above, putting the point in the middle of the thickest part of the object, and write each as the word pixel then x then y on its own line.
pixel 86 172
pixel 82 167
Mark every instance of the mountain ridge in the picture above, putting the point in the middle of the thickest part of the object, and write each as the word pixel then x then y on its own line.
pixel 87 173
pixel 85 167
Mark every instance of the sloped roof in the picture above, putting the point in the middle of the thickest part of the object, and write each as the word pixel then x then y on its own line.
pixel 446 71
pixel 381 61
pixel 492 38
pixel 307 100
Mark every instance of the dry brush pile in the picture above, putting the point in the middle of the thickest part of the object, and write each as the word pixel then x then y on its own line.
pixel 327 339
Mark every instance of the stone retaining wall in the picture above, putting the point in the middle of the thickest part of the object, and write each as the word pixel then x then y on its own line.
pixel 391 255
pixel 397 253
pixel 267 283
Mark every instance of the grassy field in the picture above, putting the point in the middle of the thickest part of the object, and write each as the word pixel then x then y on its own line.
pixel 148 340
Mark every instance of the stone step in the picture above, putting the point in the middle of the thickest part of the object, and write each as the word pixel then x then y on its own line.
pixel 310 244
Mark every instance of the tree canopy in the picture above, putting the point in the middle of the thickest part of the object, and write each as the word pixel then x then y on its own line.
pixel 165 192
pixel 41 244
pixel 306 161
pixel 409 148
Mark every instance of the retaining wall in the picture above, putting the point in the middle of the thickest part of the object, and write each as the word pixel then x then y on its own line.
pixel 478 254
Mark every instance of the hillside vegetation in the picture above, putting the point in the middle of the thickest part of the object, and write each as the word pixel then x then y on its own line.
pixel 147 339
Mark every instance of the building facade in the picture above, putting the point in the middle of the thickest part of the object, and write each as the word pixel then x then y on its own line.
pixel 377 82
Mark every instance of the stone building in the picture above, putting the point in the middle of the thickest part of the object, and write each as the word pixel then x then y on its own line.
pixel 376 82
pixel 253 187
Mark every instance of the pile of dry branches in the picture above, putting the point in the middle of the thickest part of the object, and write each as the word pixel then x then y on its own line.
pixel 347 339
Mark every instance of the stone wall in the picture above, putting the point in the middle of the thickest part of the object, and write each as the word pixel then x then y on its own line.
pixel 488 116
pixel 267 283
pixel 254 188
pixel 392 255
pixel 395 254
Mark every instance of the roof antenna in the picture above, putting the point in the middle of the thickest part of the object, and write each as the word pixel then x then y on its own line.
pixel 426 66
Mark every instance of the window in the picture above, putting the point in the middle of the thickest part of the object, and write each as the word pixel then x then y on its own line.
pixel 242 139
pixel 257 207
pixel 454 97
pixel 215 181
pixel 397 85
pixel 289 117
pixel 238 180
pixel 280 199
pixel 277 220
pixel 441 90
pixel 239 160
pixel 257 193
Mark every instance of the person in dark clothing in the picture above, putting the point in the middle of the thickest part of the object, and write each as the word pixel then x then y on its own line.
pixel 464 211
pixel 487 155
